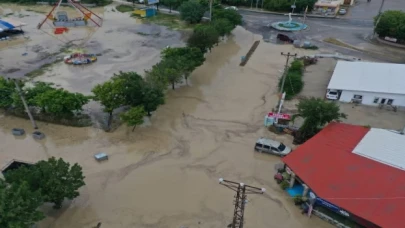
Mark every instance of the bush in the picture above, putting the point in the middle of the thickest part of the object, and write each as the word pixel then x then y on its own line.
pixel 296 66
pixel 285 5
pixel 293 84
pixel 284 184
pixel 391 24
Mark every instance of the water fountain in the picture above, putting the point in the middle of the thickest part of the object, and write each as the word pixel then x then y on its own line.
pixel 289 25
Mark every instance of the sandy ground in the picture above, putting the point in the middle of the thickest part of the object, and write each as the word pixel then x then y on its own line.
pixel 165 174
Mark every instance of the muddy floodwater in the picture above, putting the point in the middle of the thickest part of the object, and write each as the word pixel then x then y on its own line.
pixel 165 174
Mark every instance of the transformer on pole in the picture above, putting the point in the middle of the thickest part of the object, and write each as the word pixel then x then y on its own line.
pixel 241 190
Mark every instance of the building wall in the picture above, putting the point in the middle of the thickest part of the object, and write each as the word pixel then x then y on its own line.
pixel 368 97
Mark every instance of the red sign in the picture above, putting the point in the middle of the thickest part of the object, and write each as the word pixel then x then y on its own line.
pixel 280 116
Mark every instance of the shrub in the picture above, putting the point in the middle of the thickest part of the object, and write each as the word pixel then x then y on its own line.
pixel 391 24
pixel 298 199
pixel 293 84
pixel 284 184
pixel 191 11
pixel 296 66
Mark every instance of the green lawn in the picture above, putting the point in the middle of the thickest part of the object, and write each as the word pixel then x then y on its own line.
pixel 125 8
pixel 169 20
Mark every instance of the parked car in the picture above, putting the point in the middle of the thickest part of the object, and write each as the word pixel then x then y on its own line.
pixel 232 8
pixel 342 11
pixel 332 94
pixel 271 147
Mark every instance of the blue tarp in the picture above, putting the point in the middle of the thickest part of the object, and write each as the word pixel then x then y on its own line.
pixel 5 26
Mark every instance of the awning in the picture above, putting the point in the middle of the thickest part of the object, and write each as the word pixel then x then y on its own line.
pixel 13 22
pixel 5 25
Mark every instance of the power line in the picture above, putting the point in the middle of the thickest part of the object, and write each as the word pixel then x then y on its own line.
pixel 241 190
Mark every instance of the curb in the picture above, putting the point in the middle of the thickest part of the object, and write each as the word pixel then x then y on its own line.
pixel 381 41
pixel 284 14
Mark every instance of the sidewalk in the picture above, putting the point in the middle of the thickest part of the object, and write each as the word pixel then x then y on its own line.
pixel 243 9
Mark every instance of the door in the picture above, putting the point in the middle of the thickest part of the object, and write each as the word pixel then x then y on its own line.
pixel 383 101
pixel 266 148
pixel 390 101
pixel 275 150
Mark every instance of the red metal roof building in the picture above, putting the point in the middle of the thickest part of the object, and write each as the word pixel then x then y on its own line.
pixel 364 187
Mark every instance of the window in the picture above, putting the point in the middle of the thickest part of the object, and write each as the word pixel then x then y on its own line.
pixel 390 101
pixel 258 145
pixel 358 97
pixel 376 100
pixel 281 147
pixel 383 101
pixel 266 147
pixel 274 149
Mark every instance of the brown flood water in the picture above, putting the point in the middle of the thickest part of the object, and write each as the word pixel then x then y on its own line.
pixel 165 175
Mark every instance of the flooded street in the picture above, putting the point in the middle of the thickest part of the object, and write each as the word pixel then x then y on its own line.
pixel 165 174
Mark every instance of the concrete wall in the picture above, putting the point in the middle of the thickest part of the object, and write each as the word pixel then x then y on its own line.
pixel 368 97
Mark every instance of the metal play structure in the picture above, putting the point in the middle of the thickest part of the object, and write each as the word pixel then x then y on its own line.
pixel 59 25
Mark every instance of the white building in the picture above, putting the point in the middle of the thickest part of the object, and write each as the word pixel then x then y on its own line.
pixel 369 83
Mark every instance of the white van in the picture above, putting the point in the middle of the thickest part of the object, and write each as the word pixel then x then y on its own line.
pixel 332 94
pixel 272 147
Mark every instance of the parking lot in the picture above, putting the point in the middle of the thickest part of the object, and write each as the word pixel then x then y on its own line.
pixel 316 79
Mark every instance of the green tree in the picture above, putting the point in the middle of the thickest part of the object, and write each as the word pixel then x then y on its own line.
pixel 187 58
pixel 153 96
pixel 223 26
pixel 191 11
pixel 316 113
pixel 391 23
pixel 56 179
pixel 165 72
pixel 110 95
pixel 132 90
pixel 204 37
pixel 60 102
pixel 7 89
pixel 19 206
pixel 285 5
pixel 231 15
pixel 134 116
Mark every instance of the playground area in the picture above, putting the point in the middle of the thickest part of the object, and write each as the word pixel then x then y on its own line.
pixel 41 53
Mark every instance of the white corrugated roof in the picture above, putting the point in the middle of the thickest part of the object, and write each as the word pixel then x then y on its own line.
pixel 369 76
pixel 383 146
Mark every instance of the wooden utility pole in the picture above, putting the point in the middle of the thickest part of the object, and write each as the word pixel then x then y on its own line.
pixel 34 124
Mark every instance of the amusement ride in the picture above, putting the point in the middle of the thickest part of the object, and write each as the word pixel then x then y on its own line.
pixel 72 30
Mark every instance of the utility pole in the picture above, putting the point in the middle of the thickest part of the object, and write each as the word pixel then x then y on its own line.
pixel 240 199
pixel 257 3
pixel 34 124
pixel 288 55
pixel 379 15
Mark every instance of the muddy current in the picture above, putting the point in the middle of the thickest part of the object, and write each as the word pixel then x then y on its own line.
pixel 165 174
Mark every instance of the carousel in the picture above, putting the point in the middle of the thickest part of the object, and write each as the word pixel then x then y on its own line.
pixel 80 59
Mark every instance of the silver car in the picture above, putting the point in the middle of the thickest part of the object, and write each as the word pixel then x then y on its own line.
pixel 272 147
pixel 342 11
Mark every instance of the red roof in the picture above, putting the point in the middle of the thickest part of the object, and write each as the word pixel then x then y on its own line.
pixel 364 187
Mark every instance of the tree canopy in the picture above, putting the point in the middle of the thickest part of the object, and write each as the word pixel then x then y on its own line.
pixel 19 205
pixel 132 84
pixel 165 72
pixel 231 15
pixel 110 95
pixel 223 26
pixel 191 11
pixel 152 97
pixel 55 179
pixel 204 37
pixel 134 116
pixel 60 102
pixel 7 89
pixel 391 23
pixel 316 113
pixel 187 58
